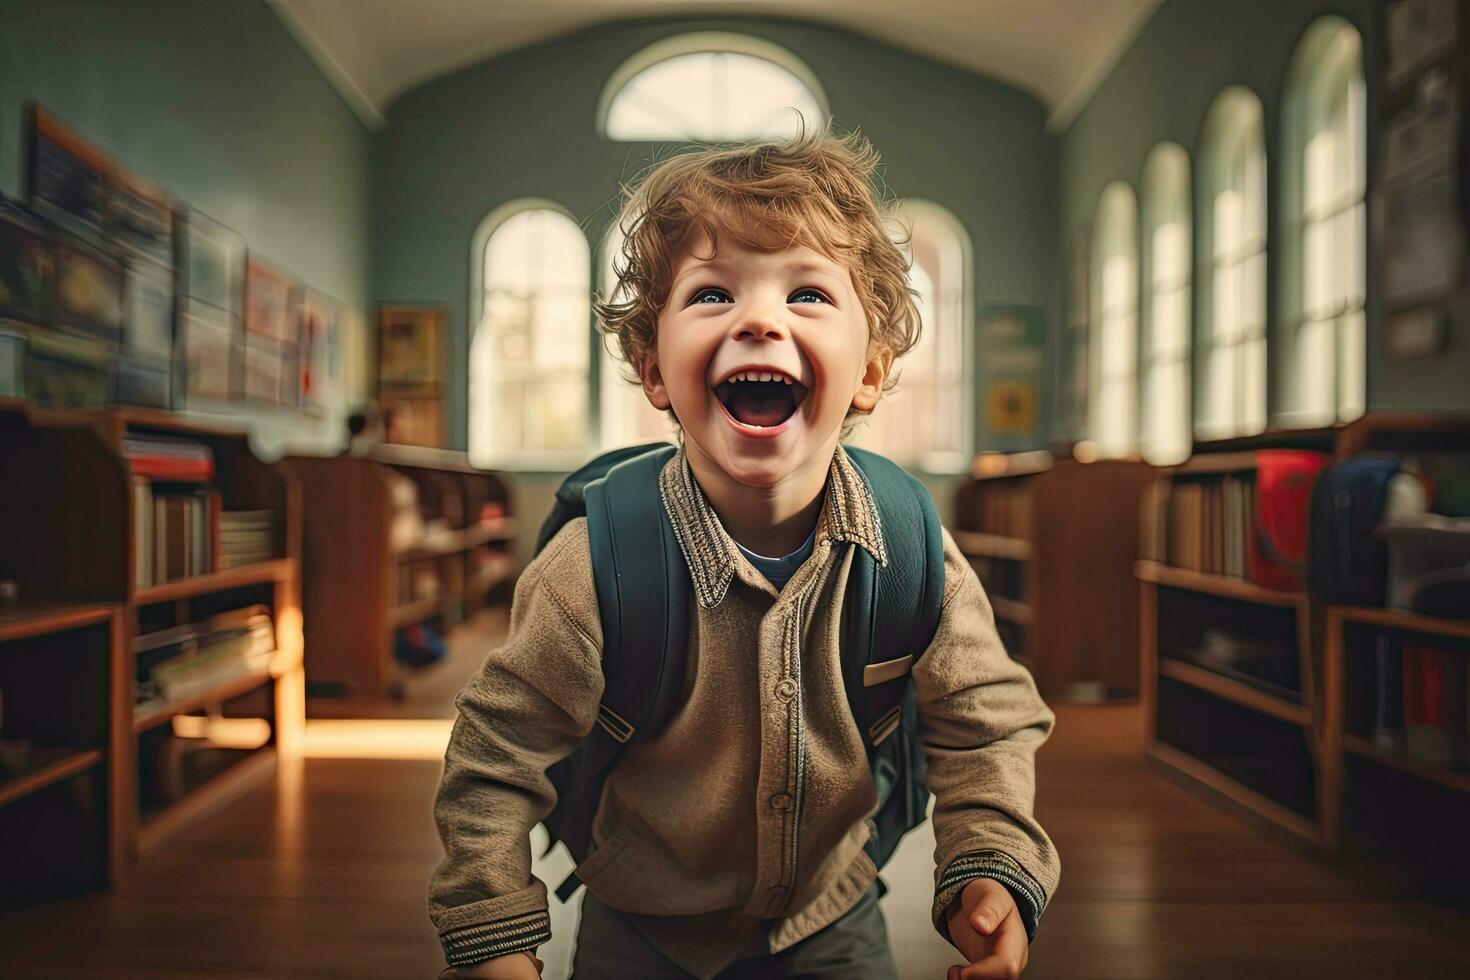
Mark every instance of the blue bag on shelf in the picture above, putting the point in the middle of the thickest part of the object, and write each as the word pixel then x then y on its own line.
pixel 1347 559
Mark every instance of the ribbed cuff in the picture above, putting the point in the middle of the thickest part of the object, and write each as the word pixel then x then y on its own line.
pixel 999 866
pixel 474 944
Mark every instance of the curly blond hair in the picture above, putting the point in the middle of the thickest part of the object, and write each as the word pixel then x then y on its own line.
pixel 816 189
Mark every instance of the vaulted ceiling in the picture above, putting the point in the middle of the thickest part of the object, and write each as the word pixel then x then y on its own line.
pixel 1058 50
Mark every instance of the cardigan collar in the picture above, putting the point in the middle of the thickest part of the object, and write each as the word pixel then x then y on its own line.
pixel 849 513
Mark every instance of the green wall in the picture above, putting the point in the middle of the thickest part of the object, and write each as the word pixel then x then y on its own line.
pixel 1162 89
pixel 217 103
pixel 523 125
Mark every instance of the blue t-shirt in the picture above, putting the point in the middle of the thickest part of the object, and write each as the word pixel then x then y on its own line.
pixel 778 571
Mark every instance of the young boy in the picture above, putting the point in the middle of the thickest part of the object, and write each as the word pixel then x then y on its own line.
pixel 764 305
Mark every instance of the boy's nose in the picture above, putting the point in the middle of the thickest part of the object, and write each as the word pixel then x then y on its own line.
pixel 759 325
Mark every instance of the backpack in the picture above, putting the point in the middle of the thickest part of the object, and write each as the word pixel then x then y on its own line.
pixel 1277 556
pixel 644 599
pixel 1347 561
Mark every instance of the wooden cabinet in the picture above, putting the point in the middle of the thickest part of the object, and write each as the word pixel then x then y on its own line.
pixel 1054 540
pixel 401 537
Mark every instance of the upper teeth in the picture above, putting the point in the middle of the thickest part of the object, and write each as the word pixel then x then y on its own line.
pixel 758 376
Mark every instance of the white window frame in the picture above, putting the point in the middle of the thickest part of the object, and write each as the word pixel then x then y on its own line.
pixel 478 403
pixel 956 274
pixel 706 42
pixel 1167 276
pixel 624 415
pixel 1112 402
pixel 1323 294
pixel 1231 371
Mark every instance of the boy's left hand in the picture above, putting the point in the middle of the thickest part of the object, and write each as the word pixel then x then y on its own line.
pixel 986 927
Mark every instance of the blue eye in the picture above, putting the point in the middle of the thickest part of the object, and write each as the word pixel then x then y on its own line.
pixel 807 296
pixel 711 295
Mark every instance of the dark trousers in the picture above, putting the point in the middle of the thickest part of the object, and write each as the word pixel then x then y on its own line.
pixel 855 947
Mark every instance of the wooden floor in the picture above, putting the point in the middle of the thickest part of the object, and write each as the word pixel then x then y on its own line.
pixel 323 873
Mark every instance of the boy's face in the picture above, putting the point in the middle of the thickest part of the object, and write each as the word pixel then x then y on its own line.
pixel 743 316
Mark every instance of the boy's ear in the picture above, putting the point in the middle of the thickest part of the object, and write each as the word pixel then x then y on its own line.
pixel 870 386
pixel 653 382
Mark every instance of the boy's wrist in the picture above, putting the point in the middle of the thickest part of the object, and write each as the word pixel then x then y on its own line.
pixel 997 865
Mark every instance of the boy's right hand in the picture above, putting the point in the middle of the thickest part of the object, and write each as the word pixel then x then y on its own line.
pixel 514 966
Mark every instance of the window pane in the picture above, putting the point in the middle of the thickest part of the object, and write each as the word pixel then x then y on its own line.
pixel 1168 421
pixel 1253 295
pixel 1171 255
pixel 561 330
pixel 926 414
pixel 1118 347
pixel 1352 380
pixel 1315 375
pixel 1251 410
pixel 560 410
pixel 712 96
pixel 1219 407
pixel 1321 178
pixel 1171 325
pixel 1225 323
pixel 1229 230
pixel 1351 257
pixel 1320 257
pixel 1113 422
pixel 531 339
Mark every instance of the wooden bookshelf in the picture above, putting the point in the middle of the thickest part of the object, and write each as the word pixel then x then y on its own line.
pixel 1297 781
pixel 231 578
pixel 1158 573
pixel 1053 541
pixel 64 768
pixel 1347 682
pixel 366 578
pixel 73 562
pixel 48 766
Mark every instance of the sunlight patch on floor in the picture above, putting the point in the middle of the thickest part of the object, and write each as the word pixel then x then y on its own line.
pixel 376 738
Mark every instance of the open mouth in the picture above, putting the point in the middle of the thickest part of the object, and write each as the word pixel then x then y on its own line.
pixel 760 399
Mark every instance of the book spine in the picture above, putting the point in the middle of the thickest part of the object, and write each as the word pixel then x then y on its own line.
pixel 142 532
pixel 216 508
pixel 160 540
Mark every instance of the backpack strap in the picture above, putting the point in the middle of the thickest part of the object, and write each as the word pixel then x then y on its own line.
pixel 892 612
pixel 888 621
pixel 643 598
pixel 642 594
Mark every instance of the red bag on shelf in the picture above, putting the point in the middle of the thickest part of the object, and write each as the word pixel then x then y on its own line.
pixel 1278 541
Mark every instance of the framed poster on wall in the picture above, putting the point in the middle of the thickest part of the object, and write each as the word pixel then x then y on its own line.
pixel 412 356
pixel 67 175
pixel 411 346
pixel 321 357
pixel 211 267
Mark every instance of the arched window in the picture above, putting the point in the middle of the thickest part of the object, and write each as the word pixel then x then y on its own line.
pixel 529 355
pixel 1231 332
pixel 1164 432
pixel 1112 405
pixel 1323 187
pixel 626 417
pixel 926 420
pixel 710 87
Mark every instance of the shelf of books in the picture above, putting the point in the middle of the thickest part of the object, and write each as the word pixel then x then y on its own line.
pixel 400 546
pixel 1268 694
pixel 194 542
pixel 1229 682
pixel 1047 534
pixel 1397 697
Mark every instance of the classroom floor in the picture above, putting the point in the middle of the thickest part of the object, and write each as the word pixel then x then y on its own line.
pixel 323 873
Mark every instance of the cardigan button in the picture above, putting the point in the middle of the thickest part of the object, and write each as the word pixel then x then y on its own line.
pixel 786 690
pixel 781 801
